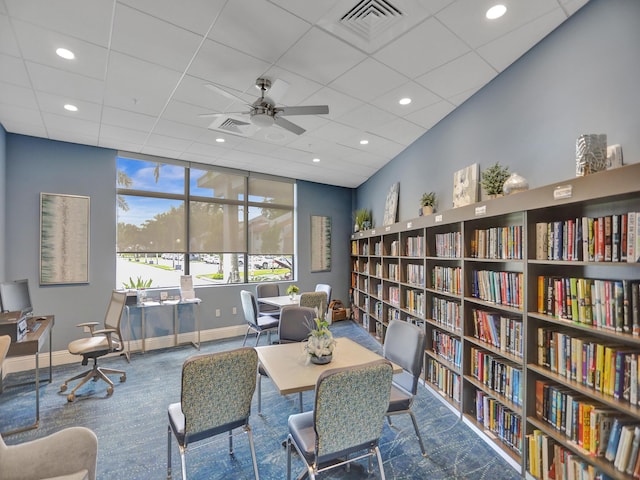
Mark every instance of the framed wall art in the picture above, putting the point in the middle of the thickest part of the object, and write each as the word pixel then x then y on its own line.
pixel 320 243
pixel 465 185
pixel 391 205
pixel 64 239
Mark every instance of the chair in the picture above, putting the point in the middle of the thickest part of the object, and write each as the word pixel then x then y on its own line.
pixel 404 345
pixel 336 427
pixel 295 324
pixel 101 342
pixel 217 389
pixel 323 287
pixel 256 323
pixel 268 290
pixel 315 300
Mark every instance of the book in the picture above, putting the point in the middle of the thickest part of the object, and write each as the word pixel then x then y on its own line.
pixel 624 447
pixel 631 463
pixel 631 236
pixel 607 238
pixel 614 437
pixel 541 241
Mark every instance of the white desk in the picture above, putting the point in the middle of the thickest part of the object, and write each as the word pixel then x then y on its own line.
pixel 281 301
pixel 176 320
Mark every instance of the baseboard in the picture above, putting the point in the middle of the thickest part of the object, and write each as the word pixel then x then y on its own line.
pixel 63 357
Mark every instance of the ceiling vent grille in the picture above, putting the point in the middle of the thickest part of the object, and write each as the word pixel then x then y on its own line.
pixel 369 18
pixel 233 125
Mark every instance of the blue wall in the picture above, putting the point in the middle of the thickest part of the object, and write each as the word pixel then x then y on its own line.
pixel 35 165
pixel 3 162
pixel 582 78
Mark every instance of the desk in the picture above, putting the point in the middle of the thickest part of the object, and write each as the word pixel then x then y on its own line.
pixel 31 344
pixel 281 301
pixel 176 320
pixel 286 364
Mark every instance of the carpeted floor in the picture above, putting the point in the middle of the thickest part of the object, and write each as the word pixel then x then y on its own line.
pixel 132 425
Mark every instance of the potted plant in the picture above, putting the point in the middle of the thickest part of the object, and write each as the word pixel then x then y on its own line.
pixel 320 345
pixel 493 178
pixel 135 289
pixel 363 219
pixel 428 202
pixel 292 291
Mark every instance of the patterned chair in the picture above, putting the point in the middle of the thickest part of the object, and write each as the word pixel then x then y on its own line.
pixel 323 287
pixel 316 300
pixel 217 389
pixel 295 324
pixel 255 322
pixel 267 290
pixel 404 345
pixel 336 428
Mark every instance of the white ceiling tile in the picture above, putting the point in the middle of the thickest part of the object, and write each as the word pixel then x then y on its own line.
pixel 194 15
pixel 55 104
pixel 187 113
pixel 335 132
pixel 129 135
pixel 160 152
pixel 119 144
pixel 156 41
pixel 176 129
pixel 366 117
pixel 8 42
pixel 320 57
pixel 169 143
pixel 192 90
pixel 276 29
pixel 297 89
pixel 72 85
pixel 339 103
pixel 420 98
pixel 429 116
pixel 39 46
pixel 127 119
pixel 73 136
pixel 402 131
pixel 14 115
pixel 16 125
pixel 57 125
pixel 13 70
pixel 17 96
pixel 572 6
pixel 368 80
pixel 309 11
pixel 422 49
pixel 377 145
pixel 88 20
pixel 455 77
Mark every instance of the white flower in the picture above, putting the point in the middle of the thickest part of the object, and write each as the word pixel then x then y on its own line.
pixel 321 342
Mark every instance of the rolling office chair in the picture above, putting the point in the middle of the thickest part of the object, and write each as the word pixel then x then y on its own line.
pixel 217 389
pixel 295 324
pixel 256 323
pixel 267 290
pixel 101 342
pixel 336 428
pixel 404 345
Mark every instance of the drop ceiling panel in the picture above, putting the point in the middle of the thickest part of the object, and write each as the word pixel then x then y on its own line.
pixel 17 96
pixel 420 98
pixel 368 80
pixel 58 125
pixel 429 116
pixel 339 103
pixel 55 104
pixel 366 117
pixel 402 131
pixel 8 42
pixel 15 115
pixel 127 119
pixel 13 70
pixel 176 129
pixel 67 84
pixel 129 135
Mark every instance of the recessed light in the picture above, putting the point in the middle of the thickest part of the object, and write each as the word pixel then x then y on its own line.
pixel 66 54
pixel 364 142
pixel 404 101
pixel 220 140
pixel 496 12
pixel 71 108
pixel 316 160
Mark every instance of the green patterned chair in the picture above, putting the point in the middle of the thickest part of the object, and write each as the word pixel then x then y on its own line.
pixel 316 300
pixel 217 389
pixel 347 419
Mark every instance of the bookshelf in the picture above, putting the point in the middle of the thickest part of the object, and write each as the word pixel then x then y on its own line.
pixel 503 290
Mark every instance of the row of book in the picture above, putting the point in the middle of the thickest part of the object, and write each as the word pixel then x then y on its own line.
pixel 497 374
pixel 447 279
pixel 415 274
pixel 599 430
pixel 502 332
pixel 446 313
pixel 499 420
pixel 415 302
pixel 393 314
pixel 447 347
pixel 394 272
pixel 414 247
pixel 449 245
pixel 497 243
pixel 444 379
pixel 602 366
pixel 393 295
pixel 609 238
pixel 503 288
pixel 611 304
pixel 548 460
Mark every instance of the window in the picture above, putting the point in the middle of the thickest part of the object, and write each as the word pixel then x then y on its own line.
pixel 220 226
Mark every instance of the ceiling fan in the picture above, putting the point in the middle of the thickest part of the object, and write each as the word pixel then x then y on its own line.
pixel 264 112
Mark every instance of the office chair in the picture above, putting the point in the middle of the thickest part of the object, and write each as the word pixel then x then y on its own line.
pixel 336 428
pixel 323 287
pixel 295 324
pixel 404 345
pixel 256 323
pixel 217 389
pixel 101 342
pixel 268 290
pixel 316 300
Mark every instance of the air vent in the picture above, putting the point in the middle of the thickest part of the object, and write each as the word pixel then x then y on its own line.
pixel 236 126
pixel 232 125
pixel 369 18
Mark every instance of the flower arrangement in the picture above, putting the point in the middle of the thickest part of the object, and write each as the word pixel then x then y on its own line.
pixel 320 345
pixel 363 219
pixel 292 290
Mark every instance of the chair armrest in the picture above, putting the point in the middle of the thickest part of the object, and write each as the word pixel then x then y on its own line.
pixel 107 333
pixel 62 453
pixel 90 325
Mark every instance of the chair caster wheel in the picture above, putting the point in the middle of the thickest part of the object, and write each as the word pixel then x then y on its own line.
pixel 63 388
pixel 71 397
pixel 109 391
pixel 123 378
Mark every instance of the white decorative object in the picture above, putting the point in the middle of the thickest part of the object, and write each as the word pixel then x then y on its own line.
pixel 465 185
pixel 591 153
pixel 514 184
pixel 391 205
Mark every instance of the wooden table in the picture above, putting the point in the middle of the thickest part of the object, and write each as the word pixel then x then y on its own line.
pixel 31 344
pixel 281 301
pixel 286 364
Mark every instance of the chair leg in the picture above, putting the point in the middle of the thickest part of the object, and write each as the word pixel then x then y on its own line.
pixel 380 465
pixel 300 398
pixel 415 427
pixel 253 452
pixel 169 452
pixel 246 334
pixel 259 394
pixel 230 442
pixel 289 457
pixel 183 461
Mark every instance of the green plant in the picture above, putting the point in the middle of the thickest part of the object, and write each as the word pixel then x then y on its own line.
pixel 292 289
pixel 138 283
pixel 362 217
pixel 428 199
pixel 493 178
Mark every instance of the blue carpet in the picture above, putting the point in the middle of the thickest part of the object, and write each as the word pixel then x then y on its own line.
pixel 132 425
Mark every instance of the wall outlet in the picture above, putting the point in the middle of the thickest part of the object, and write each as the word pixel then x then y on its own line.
pixel 234 310
pixel 217 312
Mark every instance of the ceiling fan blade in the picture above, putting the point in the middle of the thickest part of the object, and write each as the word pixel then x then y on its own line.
pixel 303 110
pixel 224 93
pixel 287 125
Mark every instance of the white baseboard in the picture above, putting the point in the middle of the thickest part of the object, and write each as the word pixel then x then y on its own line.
pixel 63 357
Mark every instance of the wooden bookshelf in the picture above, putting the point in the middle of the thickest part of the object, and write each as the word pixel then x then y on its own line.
pixel 473 276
